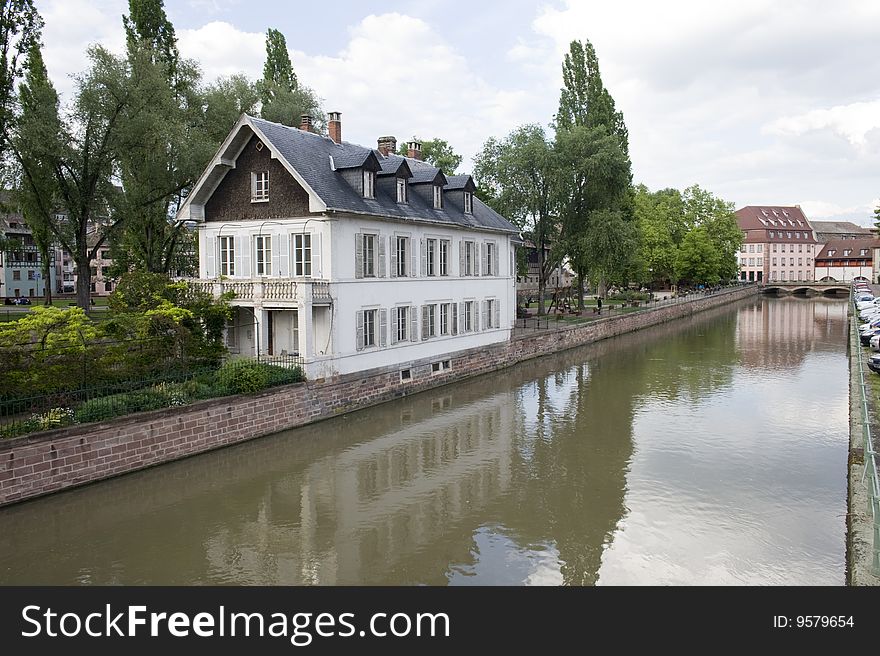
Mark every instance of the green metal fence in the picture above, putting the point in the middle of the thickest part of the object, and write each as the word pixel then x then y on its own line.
pixel 177 384
pixel 869 474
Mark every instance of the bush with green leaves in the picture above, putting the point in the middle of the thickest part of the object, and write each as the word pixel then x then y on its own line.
pixel 242 377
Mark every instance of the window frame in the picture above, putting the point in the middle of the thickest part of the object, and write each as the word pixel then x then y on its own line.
pixel 438 197
pixel 431 248
pixel 370 262
pixel 370 328
pixel 401 191
pixel 259 186
pixel 226 267
pixel 468 202
pixel 403 326
pixel 302 266
pixel 369 182
pixel 260 250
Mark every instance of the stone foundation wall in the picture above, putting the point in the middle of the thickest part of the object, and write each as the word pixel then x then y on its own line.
pixel 46 462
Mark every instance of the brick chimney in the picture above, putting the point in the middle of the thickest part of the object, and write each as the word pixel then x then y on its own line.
pixel 414 150
pixel 305 123
pixel 334 126
pixel 387 145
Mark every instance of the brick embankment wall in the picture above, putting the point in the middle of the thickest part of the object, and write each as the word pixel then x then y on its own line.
pixel 46 462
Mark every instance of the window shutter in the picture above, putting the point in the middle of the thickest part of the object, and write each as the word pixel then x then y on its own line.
pixel 383 327
pixel 359 322
pixel 424 248
pixel 424 322
pixel 380 260
pixel 496 321
pixel 316 256
pixel 461 314
pixel 413 324
pixel 275 268
pixel 477 258
pixel 461 269
pixel 359 255
pixel 393 248
pixel 394 325
pixel 484 322
pixel 236 256
pixel 454 318
pixel 210 250
pixel 413 257
pixel 484 254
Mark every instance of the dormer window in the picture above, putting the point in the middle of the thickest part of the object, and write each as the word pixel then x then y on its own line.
pixel 369 184
pixel 468 202
pixel 401 190
pixel 259 186
pixel 438 197
pixel 831 252
pixel 847 252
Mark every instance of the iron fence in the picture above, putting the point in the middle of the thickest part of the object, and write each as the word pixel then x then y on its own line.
pixel 181 384
pixel 869 473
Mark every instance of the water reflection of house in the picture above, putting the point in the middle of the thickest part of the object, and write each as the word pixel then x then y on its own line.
pixel 807 326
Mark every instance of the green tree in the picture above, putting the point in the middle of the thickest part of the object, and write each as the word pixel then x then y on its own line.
pixel 662 227
pixel 82 151
pixel 39 112
pixel 877 217
pixel 225 101
pixel 437 152
pixel 518 176
pixel 595 173
pixel 278 72
pixel 163 150
pixel 283 99
pixel 148 26
pixel 704 210
pixel 698 260
pixel 20 26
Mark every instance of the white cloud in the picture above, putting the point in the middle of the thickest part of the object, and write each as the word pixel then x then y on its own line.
pixel 853 121
pixel 222 49
pixel 71 26
pixel 415 86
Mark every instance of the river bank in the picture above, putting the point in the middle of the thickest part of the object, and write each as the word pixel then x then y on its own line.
pixel 42 463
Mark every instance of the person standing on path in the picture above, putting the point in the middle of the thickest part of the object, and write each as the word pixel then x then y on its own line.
pixel 599 303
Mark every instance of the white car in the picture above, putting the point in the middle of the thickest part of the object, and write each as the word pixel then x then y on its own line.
pixel 875 343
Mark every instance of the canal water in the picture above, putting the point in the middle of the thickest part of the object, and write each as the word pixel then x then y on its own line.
pixel 711 450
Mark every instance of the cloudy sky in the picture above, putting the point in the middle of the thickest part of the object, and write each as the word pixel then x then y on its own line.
pixel 759 101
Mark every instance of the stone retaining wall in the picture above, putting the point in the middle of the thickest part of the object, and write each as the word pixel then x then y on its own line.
pixel 46 462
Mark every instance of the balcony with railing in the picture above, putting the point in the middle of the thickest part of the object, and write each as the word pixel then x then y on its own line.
pixel 269 291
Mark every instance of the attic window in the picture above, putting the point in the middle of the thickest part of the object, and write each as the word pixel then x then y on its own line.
pixel 259 186
pixel 847 252
pixel 259 145
pixel 401 190
pixel 438 197
pixel 831 252
pixel 468 202
pixel 369 184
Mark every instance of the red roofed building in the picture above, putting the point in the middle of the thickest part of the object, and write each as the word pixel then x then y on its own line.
pixel 779 244
pixel 843 260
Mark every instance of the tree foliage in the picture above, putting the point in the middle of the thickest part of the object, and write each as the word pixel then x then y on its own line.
pixel 595 173
pixel 20 26
pixel 518 177
pixel 437 152
pixel 283 99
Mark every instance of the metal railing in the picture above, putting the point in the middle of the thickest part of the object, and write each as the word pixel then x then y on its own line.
pixel 180 383
pixel 869 473
pixel 613 308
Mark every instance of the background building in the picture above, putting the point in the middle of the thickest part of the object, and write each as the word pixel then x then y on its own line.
pixel 779 244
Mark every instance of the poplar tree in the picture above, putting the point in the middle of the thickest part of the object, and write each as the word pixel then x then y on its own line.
pixel 284 100
pixel 595 173
pixel 20 26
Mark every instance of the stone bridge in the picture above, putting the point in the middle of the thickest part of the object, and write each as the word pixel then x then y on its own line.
pixel 807 288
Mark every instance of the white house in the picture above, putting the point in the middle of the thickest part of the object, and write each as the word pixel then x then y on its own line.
pixel 350 257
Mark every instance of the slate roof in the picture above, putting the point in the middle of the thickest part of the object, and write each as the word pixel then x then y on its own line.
pixel 309 154
pixel 853 245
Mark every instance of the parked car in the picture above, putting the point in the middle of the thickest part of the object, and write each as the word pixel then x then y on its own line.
pixel 875 343
pixel 873 323
pixel 874 363
pixel 866 335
